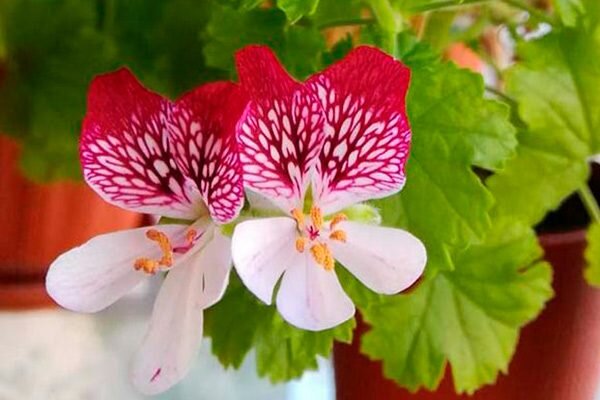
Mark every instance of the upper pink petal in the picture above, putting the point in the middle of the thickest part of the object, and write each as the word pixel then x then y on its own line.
pixel 124 149
pixel 367 135
pixel 281 133
pixel 202 132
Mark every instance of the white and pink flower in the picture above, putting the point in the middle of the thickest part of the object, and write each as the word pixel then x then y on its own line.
pixel 312 149
pixel 144 153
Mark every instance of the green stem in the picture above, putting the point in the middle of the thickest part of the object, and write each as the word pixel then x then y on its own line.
pixel 457 3
pixel 386 16
pixel 589 201
pixel 445 4
pixel 346 22
pixel 436 31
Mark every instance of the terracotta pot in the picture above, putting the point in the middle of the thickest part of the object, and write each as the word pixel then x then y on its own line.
pixel 557 358
pixel 40 221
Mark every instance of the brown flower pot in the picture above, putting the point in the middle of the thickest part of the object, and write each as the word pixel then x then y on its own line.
pixel 557 358
pixel 40 221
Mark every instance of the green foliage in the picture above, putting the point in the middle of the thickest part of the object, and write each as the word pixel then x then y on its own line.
pixel 296 9
pixel 484 279
pixel 239 322
pixel 555 89
pixel 447 143
pixel 228 30
pixel 470 316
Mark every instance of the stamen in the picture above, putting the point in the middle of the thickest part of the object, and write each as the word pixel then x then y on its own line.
pixel 318 252
pixel 165 246
pixel 299 217
pixel 300 244
pixel 190 235
pixel 338 235
pixel 336 220
pixel 329 261
pixel 150 266
pixel 316 217
pixel 147 265
pixel 323 256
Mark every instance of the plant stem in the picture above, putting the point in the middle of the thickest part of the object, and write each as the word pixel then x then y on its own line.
pixel 445 4
pixel 514 3
pixel 386 16
pixel 589 201
pixel 346 22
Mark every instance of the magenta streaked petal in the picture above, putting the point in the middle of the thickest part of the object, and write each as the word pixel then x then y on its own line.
pixel 367 135
pixel 202 133
pixel 124 149
pixel 281 133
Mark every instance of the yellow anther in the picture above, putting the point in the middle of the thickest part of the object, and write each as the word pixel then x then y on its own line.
pixel 336 220
pixel 316 218
pixel 299 217
pixel 323 256
pixel 300 244
pixel 329 262
pixel 191 235
pixel 165 246
pixel 318 252
pixel 147 265
pixel 151 266
pixel 338 235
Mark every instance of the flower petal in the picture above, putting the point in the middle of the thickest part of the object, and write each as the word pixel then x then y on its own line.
pixel 124 150
pixel 311 297
pixel 281 133
pixel 215 263
pixel 202 131
pixel 175 330
pixel 262 249
pixel 94 275
pixel 367 133
pixel 386 260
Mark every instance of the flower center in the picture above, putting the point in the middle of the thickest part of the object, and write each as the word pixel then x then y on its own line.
pixel 311 235
pixel 151 266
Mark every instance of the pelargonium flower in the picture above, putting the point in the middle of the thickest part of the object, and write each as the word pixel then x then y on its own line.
pixel 144 153
pixel 313 149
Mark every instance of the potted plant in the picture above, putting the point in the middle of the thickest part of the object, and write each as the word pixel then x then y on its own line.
pixel 488 161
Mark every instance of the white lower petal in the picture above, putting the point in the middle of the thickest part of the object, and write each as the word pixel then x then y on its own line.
pixel 215 263
pixel 94 275
pixel 175 331
pixel 262 249
pixel 386 260
pixel 311 297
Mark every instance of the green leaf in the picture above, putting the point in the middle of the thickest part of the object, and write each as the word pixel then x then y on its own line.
pixel 239 323
pixel 568 10
pixel 338 51
pixel 454 128
pixel 229 30
pixel 296 9
pixel 302 53
pixel 592 255
pixel 470 316
pixel 555 87
pixel 329 12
